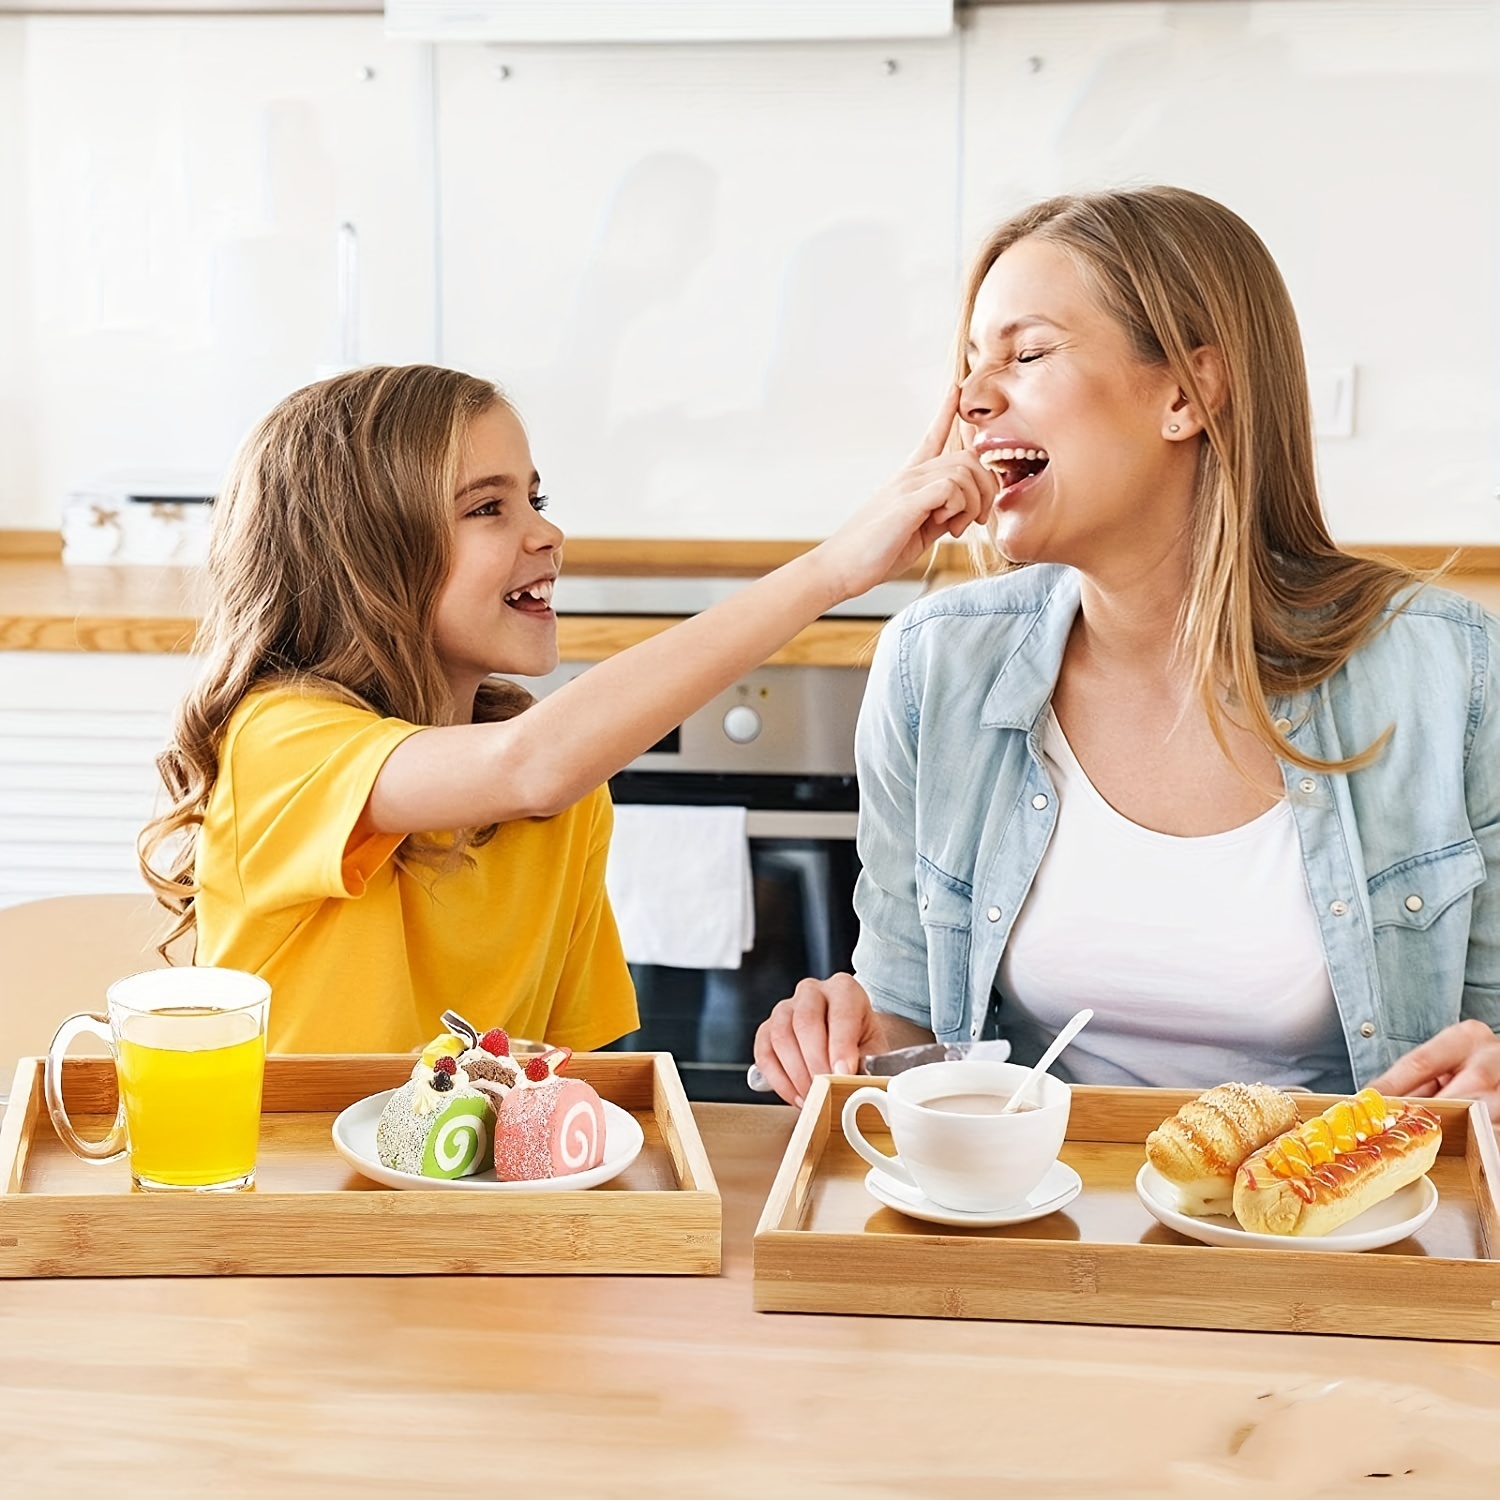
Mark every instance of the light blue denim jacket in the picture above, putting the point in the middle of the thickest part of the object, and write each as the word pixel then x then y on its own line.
pixel 956 809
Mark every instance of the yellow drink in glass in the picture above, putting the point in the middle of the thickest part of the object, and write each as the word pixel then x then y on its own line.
pixel 190 1080
pixel 189 1046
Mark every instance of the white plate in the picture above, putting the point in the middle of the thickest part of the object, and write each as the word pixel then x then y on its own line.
pixel 1056 1190
pixel 354 1140
pixel 1403 1213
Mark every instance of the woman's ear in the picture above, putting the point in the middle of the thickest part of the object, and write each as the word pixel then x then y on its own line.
pixel 1183 418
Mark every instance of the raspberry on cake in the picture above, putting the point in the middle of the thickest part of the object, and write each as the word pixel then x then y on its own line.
pixel 471 1104
pixel 547 1125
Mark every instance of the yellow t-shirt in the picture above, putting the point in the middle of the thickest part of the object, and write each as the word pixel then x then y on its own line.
pixel 363 957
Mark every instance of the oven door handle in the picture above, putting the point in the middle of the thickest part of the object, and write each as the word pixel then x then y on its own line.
pixel 762 823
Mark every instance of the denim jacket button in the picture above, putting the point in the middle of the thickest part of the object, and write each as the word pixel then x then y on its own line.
pixel 1413 903
pixel 1368 1029
pixel 993 914
pixel 1039 801
pixel 1339 908
pixel 1308 784
pixel 1283 725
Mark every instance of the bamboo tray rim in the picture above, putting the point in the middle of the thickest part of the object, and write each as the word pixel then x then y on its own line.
pixel 614 1228
pixel 799 1267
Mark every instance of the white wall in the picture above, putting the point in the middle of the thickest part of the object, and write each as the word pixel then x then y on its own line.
pixel 173 264
pixel 1359 139
pixel 719 281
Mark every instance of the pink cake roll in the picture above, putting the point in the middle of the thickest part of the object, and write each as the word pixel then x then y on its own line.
pixel 550 1130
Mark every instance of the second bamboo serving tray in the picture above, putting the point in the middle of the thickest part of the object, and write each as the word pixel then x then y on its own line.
pixel 311 1213
pixel 824 1244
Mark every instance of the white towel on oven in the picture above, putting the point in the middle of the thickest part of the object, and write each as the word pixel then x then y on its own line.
pixel 679 882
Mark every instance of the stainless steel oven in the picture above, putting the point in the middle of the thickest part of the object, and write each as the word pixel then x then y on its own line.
pixel 780 743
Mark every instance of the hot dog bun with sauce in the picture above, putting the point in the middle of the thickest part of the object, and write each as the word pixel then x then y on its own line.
pixel 1199 1149
pixel 1335 1166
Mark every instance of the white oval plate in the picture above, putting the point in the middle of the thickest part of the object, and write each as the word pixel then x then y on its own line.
pixel 1403 1213
pixel 354 1140
pixel 1056 1190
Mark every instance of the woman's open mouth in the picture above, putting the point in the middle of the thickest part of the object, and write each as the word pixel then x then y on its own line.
pixel 532 598
pixel 1013 465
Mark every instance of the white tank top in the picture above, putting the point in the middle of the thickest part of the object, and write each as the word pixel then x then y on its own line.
pixel 1200 956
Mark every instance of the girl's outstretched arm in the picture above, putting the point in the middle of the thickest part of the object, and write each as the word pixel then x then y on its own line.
pixel 542 761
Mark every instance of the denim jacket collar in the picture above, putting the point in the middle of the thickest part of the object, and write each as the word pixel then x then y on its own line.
pixel 1024 685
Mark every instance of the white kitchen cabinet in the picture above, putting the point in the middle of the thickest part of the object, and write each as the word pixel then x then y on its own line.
pixel 719 281
pixel 79 734
pixel 216 211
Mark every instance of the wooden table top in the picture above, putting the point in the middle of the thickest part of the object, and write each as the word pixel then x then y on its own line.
pixel 631 1386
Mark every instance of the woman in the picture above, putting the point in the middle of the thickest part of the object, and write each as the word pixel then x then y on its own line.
pixel 1191 765
pixel 360 812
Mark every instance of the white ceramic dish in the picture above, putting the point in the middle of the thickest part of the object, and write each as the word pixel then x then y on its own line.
pixel 354 1140
pixel 1056 1190
pixel 1401 1214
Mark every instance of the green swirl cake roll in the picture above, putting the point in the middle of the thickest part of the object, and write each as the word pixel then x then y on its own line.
pixel 433 1128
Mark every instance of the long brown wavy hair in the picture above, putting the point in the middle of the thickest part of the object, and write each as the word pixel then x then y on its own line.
pixel 1273 605
pixel 331 539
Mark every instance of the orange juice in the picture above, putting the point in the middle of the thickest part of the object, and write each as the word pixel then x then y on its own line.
pixel 191 1079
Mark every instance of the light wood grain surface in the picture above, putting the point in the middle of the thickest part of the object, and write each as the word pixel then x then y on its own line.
pixel 636 1386
pixel 46 605
pixel 312 1213
pixel 824 1245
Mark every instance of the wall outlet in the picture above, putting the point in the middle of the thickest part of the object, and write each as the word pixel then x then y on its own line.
pixel 1332 390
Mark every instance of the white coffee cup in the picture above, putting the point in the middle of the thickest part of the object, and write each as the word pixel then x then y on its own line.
pixel 951 1144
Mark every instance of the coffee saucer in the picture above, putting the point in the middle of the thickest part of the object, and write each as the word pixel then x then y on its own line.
pixel 1056 1190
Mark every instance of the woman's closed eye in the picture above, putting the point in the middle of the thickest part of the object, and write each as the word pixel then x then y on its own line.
pixel 1031 356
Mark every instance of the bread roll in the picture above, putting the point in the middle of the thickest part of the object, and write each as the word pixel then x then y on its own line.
pixel 1334 1167
pixel 1198 1149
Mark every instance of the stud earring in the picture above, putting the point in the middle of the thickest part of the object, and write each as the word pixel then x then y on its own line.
pixel 1174 428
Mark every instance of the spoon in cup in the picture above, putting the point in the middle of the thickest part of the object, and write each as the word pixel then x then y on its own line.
pixel 1047 1058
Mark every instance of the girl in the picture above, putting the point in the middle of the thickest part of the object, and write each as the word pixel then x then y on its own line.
pixel 360 812
pixel 1192 766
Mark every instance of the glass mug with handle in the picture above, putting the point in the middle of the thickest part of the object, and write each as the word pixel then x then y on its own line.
pixel 189 1047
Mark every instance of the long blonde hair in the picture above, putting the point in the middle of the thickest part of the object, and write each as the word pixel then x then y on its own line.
pixel 331 540
pixel 1273 605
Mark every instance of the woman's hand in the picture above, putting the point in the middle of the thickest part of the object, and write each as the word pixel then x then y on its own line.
pixel 936 494
pixel 827 1026
pixel 1460 1062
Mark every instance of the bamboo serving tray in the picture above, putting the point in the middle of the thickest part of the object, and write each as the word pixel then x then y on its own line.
pixel 824 1244
pixel 310 1213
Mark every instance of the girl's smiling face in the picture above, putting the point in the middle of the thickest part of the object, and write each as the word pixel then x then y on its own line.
pixel 494 612
pixel 1058 402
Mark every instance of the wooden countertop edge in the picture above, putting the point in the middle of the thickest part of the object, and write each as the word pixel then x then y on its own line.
pixel 668 557
pixel 48 606
pixel 826 643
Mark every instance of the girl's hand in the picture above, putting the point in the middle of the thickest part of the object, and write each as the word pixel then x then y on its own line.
pixel 1460 1062
pixel 936 494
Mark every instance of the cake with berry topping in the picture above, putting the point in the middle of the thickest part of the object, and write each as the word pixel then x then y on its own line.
pixel 471 1105
pixel 488 1060
pixel 548 1125
pixel 437 1125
